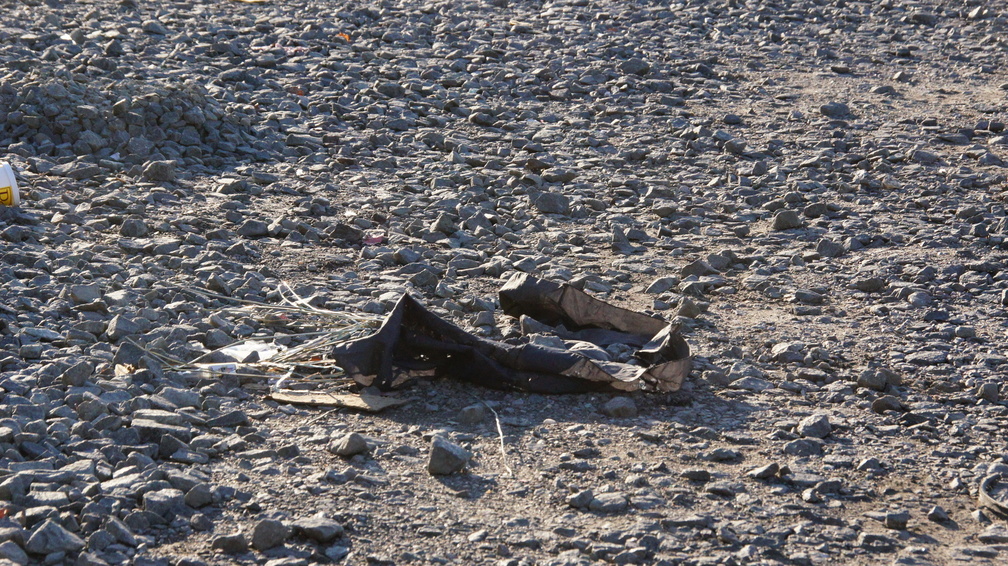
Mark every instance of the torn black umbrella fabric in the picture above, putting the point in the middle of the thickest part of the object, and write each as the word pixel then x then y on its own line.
pixel 414 342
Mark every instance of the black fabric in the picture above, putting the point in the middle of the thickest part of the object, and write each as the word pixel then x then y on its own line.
pixel 414 342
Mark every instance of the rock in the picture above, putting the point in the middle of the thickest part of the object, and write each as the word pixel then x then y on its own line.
pixel 804 447
pixel 873 379
pixel 472 414
pixel 269 533
pixel 994 534
pixel 580 499
pixel 897 521
pixel 320 529
pixel 635 66
pixel 787 220
pixel 77 374
pixel 937 515
pixel 696 474
pixel 446 457
pixel 199 496
pixel 133 228
pixel 834 110
pixel 349 445
pixel 620 408
pixel 688 308
pixel 164 502
pixel 159 171
pixel 10 553
pixel 253 229
pixel 764 472
pixel 989 392
pixel 815 426
pixel 886 403
pixel 50 537
pixel 230 544
pixel 613 502
pixel 829 248
pixel 752 384
pixel 552 203
pixel 120 327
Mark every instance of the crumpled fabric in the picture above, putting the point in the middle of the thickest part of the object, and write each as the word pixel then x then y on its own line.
pixel 413 342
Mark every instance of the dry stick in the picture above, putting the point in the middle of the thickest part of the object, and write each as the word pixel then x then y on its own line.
pixel 319 417
pixel 500 435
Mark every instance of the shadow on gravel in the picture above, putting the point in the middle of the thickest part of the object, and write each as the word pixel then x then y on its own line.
pixel 460 407
pixel 470 486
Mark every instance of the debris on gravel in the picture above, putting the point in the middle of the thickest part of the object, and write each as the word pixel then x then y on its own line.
pixel 813 193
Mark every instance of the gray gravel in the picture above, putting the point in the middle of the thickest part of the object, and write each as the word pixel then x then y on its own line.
pixel 814 191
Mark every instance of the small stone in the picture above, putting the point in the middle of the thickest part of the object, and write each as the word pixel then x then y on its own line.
pixel 620 408
pixel 834 110
pixel 660 285
pixel 159 171
pixel 613 502
pixel 937 515
pixel 829 248
pixel 897 521
pixel 253 229
pixel 750 383
pixel 12 553
pixel 635 66
pixel 787 220
pixel 552 203
pixel 50 537
pixel 988 391
pixel 199 496
pixel 870 465
pixel 815 426
pixel 321 529
pixel 688 308
pixel 269 533
pixel 120 327
pixel 78 374
pixel 349 445
pixel 83 294
pixel 133 228
pixel 764 472
pixel 472 415
pixel 723 455
pixel 873 379
pixel 164 502
pixel 696 474
pixel 200 522
pixel 230 544
pixel 804 447
pixel 580 499
pixel 886 403
pixel 446 457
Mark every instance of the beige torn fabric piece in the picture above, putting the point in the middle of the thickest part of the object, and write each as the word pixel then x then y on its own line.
pixel 363 402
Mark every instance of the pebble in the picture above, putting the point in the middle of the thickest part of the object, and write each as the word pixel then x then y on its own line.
pixel 620 408
pixel 787 220
pixel 349 445
pixel 50 537
pixel 815 426
pixel 230 544
pixel 321 529
pixel 269 533
pixel 446 457
pixel 613 502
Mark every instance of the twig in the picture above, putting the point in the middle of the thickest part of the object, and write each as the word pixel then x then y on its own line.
pixel 500 435
pixel 319 417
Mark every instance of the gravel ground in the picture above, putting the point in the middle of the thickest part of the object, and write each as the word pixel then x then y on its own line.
pixel 813 189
